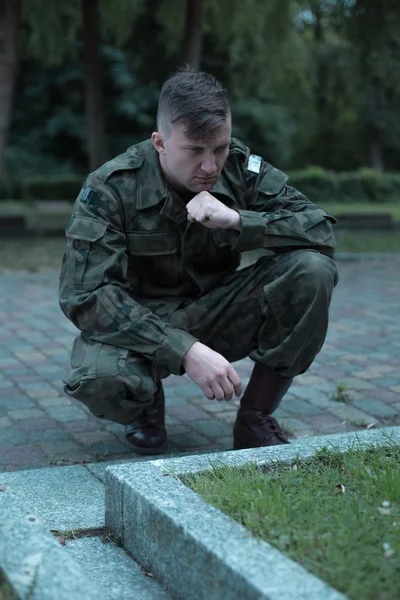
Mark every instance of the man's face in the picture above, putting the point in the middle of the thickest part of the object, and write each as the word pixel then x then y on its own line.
pixel 192 165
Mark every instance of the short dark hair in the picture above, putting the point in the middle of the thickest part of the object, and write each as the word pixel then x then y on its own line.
pixel 195 98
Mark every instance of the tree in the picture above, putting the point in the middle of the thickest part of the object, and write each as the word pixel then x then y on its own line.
pixel 373 28
pixel 9 19
pixel 193 37
pixel 96 132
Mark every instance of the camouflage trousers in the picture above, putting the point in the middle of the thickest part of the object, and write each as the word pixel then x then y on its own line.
pixel 275 311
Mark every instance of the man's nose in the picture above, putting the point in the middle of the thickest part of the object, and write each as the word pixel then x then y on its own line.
pixel 209 165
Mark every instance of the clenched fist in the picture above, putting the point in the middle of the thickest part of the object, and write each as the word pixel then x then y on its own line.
pixel 212 213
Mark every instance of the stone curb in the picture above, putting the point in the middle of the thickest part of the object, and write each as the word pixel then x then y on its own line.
pixel 195 550
pixel 32 563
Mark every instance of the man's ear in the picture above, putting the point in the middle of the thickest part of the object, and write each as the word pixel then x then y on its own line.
pixel 158 142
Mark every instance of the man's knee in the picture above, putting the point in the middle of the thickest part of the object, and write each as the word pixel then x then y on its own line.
pixel 308 271
pixel 111 382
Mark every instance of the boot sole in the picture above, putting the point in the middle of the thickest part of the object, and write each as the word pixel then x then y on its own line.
pixel 149 451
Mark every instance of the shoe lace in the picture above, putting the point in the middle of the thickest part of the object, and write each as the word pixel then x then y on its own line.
pixel 271 426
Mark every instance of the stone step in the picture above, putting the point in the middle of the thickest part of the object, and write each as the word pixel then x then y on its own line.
pixel 114 570
pixel 68 502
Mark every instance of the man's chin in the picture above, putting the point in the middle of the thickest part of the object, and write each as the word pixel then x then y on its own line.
pixel 203 186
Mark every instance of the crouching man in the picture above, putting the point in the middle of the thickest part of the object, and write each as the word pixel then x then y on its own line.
pixel 150 273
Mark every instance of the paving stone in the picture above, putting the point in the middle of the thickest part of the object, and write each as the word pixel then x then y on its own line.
pixel 212 428
pixel 386 381
pixel 54 401
pixel 82 425
pixel 29 424
pixel 375 407
pixel 301 407
pixel 229 416
pixel 103 450
pixel 174 400
pixel 93 437
pixel 295 425
pixel 306 393
pixel 352 414
pixel 5 422
pixel 189 440
pixel 14 402
pixel 11 437
pixel 9 392
pixel 49 392
pixel 187 413
pixel 65 413
pixel 48 435
pixel 60 448
pixel 19 457
pixel 385 395
pixel 5 383
pixel 26 413
pixel 326 423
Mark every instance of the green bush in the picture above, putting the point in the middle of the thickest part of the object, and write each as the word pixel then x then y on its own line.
pixel 54 188
pixel 363 186
pixel 314 182
pixel 319 185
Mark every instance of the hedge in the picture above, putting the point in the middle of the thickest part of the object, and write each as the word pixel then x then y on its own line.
pixel 364 186
pixel 55 188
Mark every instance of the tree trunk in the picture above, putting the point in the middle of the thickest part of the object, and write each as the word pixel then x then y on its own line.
pixel 376 150
pixel 322 75
pixel 9 18
pixel 193 40
pixel 96 135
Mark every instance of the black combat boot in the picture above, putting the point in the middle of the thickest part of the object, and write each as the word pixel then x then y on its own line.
pixel 254 427
pixel 147 432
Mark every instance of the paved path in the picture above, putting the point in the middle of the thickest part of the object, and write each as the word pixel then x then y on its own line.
pixel 40 426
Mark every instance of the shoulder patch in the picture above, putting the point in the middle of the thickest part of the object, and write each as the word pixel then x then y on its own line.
pixel 90 196
pixel 254 164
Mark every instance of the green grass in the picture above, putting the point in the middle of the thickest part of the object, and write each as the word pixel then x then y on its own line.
pixel 367 241
pixel 31 254
pixel 40 254
pixel 337 208
pixel 351 540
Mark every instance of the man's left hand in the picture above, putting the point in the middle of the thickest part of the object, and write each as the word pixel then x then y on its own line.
pixel 212 213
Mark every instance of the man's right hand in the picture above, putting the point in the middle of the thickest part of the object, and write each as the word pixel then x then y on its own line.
pixel 212 372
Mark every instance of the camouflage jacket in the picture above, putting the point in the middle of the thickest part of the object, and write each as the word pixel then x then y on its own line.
pixel 130 247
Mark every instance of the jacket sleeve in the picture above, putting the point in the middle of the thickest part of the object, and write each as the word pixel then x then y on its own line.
pixel 279 218
pixel 94 291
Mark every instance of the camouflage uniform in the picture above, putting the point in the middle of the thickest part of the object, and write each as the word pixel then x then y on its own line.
pixel 142 284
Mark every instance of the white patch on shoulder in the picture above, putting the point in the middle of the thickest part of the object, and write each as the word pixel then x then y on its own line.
pixel 254 163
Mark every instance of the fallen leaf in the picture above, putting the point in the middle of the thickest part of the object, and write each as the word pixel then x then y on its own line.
pixel 146 573
pixel 339 489
pixel 388 551
pixel 384 511
pixel 385 503
pixel 370 425
pixel 61 540
pixel 294 467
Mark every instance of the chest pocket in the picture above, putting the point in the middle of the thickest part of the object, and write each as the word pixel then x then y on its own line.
pixel 154 255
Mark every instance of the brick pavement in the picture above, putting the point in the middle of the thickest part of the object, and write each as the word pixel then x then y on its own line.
pixel 40 426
